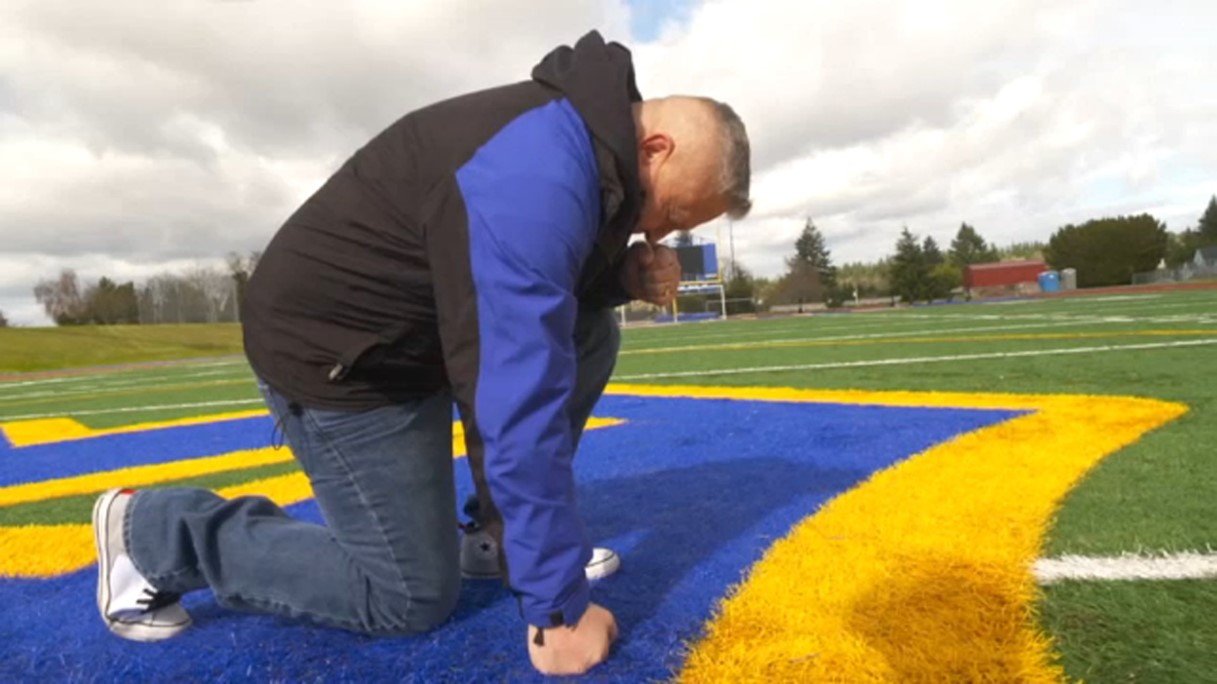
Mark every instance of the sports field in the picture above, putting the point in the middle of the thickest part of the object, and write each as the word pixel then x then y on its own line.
pixel 856 497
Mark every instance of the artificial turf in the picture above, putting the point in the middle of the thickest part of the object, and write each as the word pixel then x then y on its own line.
pixel 1156 495
pixel 685 488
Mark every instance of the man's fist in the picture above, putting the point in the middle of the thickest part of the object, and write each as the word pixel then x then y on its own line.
pixel 574 650
pixel 651 273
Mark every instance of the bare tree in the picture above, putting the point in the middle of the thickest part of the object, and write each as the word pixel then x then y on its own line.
pixel 241 269
pixel 61 298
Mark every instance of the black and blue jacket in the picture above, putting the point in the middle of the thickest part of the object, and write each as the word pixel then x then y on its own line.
pixel 454 250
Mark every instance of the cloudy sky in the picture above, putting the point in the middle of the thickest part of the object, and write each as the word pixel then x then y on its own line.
pixel 141 136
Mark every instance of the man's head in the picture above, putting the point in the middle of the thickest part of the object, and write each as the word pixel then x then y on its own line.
pixel 693 161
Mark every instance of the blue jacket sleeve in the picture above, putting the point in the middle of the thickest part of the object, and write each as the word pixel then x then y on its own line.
pixel 532 207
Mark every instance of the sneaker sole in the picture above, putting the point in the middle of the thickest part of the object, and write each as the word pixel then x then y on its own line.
pixel 606 567
pixel 101 537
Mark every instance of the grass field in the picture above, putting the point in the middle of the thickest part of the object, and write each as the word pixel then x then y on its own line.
pixel 1159 495
pixel 35 349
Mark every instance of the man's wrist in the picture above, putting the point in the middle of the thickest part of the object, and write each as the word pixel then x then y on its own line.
pixel 567 612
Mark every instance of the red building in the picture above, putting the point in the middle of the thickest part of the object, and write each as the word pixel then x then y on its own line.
pixel 1002 274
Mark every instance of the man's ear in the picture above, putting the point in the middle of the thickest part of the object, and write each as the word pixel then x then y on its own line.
pixel 656 148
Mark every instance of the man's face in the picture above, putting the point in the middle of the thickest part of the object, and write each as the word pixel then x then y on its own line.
pixel 680 194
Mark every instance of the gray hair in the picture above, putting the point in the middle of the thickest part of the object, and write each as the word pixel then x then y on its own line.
pixel 737 154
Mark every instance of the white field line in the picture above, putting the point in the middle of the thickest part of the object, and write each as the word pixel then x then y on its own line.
pixel 123 384
pixel 90 377
pixel 914 360
pixel 1113 298
pixel 1128 566
pixel 1054 320
pixel 131 409
pixel 862 336
pixel 1091 311
pixel 890 319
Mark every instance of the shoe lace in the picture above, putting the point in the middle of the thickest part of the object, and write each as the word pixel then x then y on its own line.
pixel 155 599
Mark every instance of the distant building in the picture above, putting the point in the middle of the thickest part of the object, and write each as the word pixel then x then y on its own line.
pixel 1205 257
pixel 1003 275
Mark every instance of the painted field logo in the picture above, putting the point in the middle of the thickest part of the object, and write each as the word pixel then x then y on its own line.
pixel 880 535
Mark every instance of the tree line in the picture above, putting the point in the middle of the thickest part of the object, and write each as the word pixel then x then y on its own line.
pixel 201 294
pixel 1105 251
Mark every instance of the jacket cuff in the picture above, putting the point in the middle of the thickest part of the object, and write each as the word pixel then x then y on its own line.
pixel 556 613
pixel 607 292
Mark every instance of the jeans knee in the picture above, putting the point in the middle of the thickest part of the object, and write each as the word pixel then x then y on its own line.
pixel 421 610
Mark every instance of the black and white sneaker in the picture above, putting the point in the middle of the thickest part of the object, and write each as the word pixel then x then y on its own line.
pixel 130 606
pixel 480 557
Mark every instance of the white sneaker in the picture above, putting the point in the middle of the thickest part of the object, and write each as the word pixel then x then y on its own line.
pixel 480 557
pixel 604 562
pixel 130 606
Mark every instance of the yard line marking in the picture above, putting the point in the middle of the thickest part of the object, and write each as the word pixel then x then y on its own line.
pixel 917 359
pixel 1116 298
pixel 1127 566
pixel 918 337
pixel 92 376
pixel 1092 311
pixel 135 389
pixel 132 409
pixel 121 384
pixel 857 336
pixel 637 345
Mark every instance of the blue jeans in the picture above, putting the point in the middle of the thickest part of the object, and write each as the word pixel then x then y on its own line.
pixel 387 559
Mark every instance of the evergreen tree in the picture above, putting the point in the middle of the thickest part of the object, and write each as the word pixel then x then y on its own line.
pixel 801 285
pixel 1208 223
pixel 3 320
pixel 909 270
pixel 938 275
pixel 108 303
pixel 1109 251
pixel 969 247
pixel 811 250
pixel 1181 247
pixel 740 289
pixel 932 252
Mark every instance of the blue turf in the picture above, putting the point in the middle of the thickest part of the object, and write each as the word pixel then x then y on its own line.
pixel 47 461
pixel 691 492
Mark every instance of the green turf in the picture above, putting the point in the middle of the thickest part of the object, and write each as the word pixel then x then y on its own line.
pixel 1157 495
pixel 28 349
pixel 1136 631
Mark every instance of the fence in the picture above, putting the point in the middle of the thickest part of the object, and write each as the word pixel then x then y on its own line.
pixel 1182 274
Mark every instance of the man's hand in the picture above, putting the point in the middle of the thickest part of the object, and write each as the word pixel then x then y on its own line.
pixel 574 650
pixel 651 273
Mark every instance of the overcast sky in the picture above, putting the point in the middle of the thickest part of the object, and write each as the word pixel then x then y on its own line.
pixel 140 136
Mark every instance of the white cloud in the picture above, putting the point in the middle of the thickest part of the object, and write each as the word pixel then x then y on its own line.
pixel 1017 116
pixel 134 134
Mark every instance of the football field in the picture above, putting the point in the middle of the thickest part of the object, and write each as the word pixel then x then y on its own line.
pixel 1010 491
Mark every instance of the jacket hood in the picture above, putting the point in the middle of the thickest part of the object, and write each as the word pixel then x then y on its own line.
pixel 598 79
